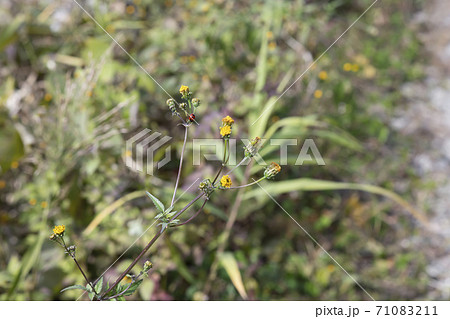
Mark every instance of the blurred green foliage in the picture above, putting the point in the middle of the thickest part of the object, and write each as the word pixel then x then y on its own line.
pixel 69 98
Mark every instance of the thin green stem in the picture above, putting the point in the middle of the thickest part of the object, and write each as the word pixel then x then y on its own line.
pixel 224 161
pixel 250 184
pixel 193 216
pixel 180 167
pixel 79 267
pixel 239 164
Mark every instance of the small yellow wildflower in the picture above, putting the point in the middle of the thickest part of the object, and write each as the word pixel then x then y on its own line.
pixel 184 89
pixel 128 153
pixel 192 58
pixel 272 45
pixel 59 230
pixel 32 202
pixel 347 67
pixel 323 75
pixel 2 184
pixel 225 181
pixel 228 120
pixel 318 94
pixel 44 204
pixel 355 67
pixel 14 164
pixel 225 130
pixel 269 35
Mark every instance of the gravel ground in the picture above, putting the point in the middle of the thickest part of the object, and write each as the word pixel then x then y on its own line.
pixel 427 118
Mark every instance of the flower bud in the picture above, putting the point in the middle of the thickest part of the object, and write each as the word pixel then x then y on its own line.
pixel 206 187
pixel 253 148
pixel 195 102
pixel 272 170
pixel 71 250
pixel 148 265
pixel 183 106
pixel 171 104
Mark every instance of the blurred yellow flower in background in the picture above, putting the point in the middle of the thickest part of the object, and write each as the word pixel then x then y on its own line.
pixel 347 67
pixel 318 94
pixel 323 75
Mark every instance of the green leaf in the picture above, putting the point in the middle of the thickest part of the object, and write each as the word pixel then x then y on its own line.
pixel 133 287
pixel 99 285
pixel 294 121
pixel 156 202
pixel 306 184
pixel 75 287
pixel 170 215
pixel 230 265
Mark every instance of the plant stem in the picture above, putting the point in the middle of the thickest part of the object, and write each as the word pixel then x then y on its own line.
pixel 250 184
pixel 223 238
pixel 78 265
pixel 135 261
pixel 193 216
pixel 150 243
pixel 240 163
pixel 181 165
pixel 224 161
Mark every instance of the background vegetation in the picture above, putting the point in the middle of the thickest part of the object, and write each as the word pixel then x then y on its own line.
pixel 69 98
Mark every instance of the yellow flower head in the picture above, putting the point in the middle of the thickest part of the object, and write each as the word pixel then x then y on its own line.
pixel 318 94
pixel 59 230
pixel 323 75
pixel 225 130
pixel 225 181
pixel 227 120
pixel 184 90
pixel 347 67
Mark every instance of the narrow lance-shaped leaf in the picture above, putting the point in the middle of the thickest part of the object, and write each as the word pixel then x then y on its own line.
pixel 99 285
pixel 230 265
pixel 75 287
pixel 156 202
pixel 133 288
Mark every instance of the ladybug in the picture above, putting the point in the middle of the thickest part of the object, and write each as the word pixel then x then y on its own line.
pixel 192 117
